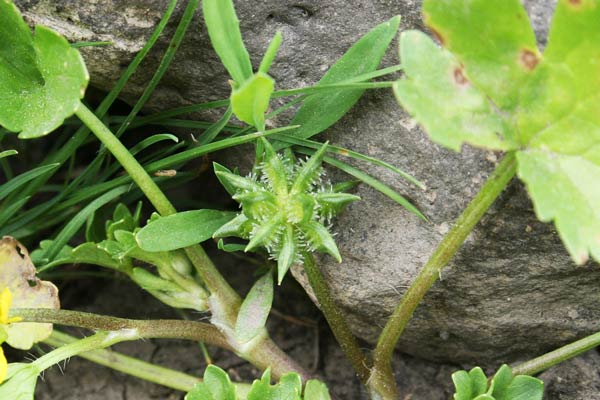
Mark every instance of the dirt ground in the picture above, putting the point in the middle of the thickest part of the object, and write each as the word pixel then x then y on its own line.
pixel 309 341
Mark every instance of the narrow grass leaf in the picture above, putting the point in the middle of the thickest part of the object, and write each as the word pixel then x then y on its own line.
pixel 321 111
pixel 8 153
pixel 79 220
pixel 369 180
pixel 8 211
pixel 348 153
pixel 184 23
pixel 213 130
pixel 224 31
pixel 22 179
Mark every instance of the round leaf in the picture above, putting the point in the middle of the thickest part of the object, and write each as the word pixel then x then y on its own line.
pixel 42 78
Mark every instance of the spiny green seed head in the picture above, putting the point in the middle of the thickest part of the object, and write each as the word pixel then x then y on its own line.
pixel 287 207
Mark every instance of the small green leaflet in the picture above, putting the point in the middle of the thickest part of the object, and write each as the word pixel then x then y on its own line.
pixel 493 89
pixel 181 230
pixel 42 78
pixel 473 385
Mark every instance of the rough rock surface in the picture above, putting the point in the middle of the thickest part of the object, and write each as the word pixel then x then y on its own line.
pixel 512 292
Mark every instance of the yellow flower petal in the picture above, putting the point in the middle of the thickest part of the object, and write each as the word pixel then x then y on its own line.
pixel 3 366
pixel 5 302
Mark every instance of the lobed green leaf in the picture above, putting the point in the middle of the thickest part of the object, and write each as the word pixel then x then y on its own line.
pixel 545 108
pixel 493 40
pixel 458 112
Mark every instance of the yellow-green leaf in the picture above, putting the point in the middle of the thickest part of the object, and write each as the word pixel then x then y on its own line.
pixel 492 39
pixel 251 100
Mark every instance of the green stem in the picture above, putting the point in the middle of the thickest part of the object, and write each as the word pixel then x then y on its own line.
pixel 135 367
pixel 149 329
pixel 445 251
pixel 336 319
pixel 129 163
pixel 557 356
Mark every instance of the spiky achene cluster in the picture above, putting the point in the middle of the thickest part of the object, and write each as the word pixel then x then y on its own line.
pixel 286 207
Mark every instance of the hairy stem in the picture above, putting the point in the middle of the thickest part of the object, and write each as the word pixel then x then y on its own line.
pixel 557 356
pixel 445 251
pixel 336 319
pixel 265 354
pixel 149 329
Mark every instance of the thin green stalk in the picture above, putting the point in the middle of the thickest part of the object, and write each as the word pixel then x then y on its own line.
pixel 336 319
pixel 96 341
pixel 129 163
pixel 211 277
pixel 557 356
pixel 445 251
pixel 135 367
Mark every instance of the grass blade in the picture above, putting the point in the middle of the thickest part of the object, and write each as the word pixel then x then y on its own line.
pixel 224 31
pixel 78 221
pixel 320 111
pixel 369 180
pixel 348 153
pixel 22 179
pixel 186 19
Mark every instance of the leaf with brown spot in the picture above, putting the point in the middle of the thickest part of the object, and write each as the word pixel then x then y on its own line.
pixel 457 112
pixel 489 39
pixel 19 275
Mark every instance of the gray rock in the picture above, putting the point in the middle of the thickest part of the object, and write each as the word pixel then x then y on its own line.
pixel 511 292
